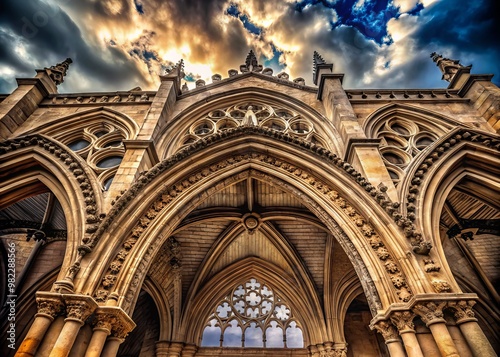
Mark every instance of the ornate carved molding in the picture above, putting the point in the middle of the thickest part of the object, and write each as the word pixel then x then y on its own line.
pixel 387 330
pixel 79 307
pixel 403 320
pixel 114 320
pixel 430 312
pixel 49 304
pixel 462 310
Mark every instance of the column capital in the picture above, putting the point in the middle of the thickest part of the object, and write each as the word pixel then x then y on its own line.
pixel 403 320
pixel 121 324
pixel 79 307
pixel 462 310
pixel 387 330
pixel 340 352
pixel 49 304
pixel 430 312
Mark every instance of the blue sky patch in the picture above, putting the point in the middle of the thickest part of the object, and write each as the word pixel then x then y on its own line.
pixel 234 11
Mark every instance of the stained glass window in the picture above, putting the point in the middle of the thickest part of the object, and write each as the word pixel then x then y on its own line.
pixel 253 315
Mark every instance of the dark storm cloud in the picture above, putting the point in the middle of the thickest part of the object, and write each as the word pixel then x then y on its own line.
pixel 49 35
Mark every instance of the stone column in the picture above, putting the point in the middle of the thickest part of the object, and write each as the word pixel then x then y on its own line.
pixel 175 349
pixel 121 325
pixel 162 348
pixel 79 308
pixel 49 306
pixel 101 331
pixel 390 334
pixel 111 347
pixel 432 315
pixel 471 331
pixel 404 322
pixel 189 350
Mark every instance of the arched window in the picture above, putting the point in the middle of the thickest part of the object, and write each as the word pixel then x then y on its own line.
pixel 253 315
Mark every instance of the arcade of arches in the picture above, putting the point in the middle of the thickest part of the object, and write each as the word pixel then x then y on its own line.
pixel 254 215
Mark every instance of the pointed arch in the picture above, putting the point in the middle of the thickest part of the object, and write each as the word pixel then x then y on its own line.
pixel 168 145
pixel 34 164
pixel 65 126
pixel 460 155
pixel 168 195
pixel 214 290
pixel 414 113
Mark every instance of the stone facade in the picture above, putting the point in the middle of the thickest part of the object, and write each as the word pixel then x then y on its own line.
pixel 252 215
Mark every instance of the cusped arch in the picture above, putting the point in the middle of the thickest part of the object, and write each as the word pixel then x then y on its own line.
pixel 172 189
pixel 214 290
pixel 172 134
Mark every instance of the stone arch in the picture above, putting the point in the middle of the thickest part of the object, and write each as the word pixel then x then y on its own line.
pixel 159 298
pixel 412 112
pixel 67 124
pixel 183 187
pixel 461 154
pixel 180 124
pixel 253 267
pixel 35 164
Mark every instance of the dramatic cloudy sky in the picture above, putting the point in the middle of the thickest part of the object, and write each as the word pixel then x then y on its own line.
pixel 120 44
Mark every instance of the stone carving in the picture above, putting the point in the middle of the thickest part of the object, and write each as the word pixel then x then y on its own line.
pixel 131 98
pixel 92 99
pixel 144 97
pixel 300 81
pixel 104 99
pixel 387 330
pixel 49 306
pixel 58 72
pixel 463 310
pixel 430 312
pixel 200 83
pixel 403 320
pixel 251 64
pixel 78 309
pixel 232 73
pixel 267 71
pixel 116 99
pixel 216 77
pixel 283 76
pixel 448 67
pixel 441 286
pixel 430 267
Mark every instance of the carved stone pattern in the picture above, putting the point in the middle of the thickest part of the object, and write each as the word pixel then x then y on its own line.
pixel 441 286
pixel 51 307
pixel 430 312
pixel 105 320
pixel 387 330
pixel 462 309
pixel 79 310
pixel 169 194
pixel 403 320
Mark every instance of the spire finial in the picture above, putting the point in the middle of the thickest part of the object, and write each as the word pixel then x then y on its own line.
pixel 251 64
pixel 317 62
pixel 448 67
pixel 58 72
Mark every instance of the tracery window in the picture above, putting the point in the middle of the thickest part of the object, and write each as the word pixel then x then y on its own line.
pixel 101 145
pixel 253 315
pixel 253 113
pixel 402 140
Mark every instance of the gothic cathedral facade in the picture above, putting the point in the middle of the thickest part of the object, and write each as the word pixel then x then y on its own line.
pixel 254 215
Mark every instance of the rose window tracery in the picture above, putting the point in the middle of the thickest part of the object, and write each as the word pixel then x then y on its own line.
pixel 252 315
pixel 253 113
pixel 101 145
pixel 403 139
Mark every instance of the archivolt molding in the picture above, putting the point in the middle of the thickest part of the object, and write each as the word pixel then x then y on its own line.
pixel 169 196
pixel 72 162
pixel 415 183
